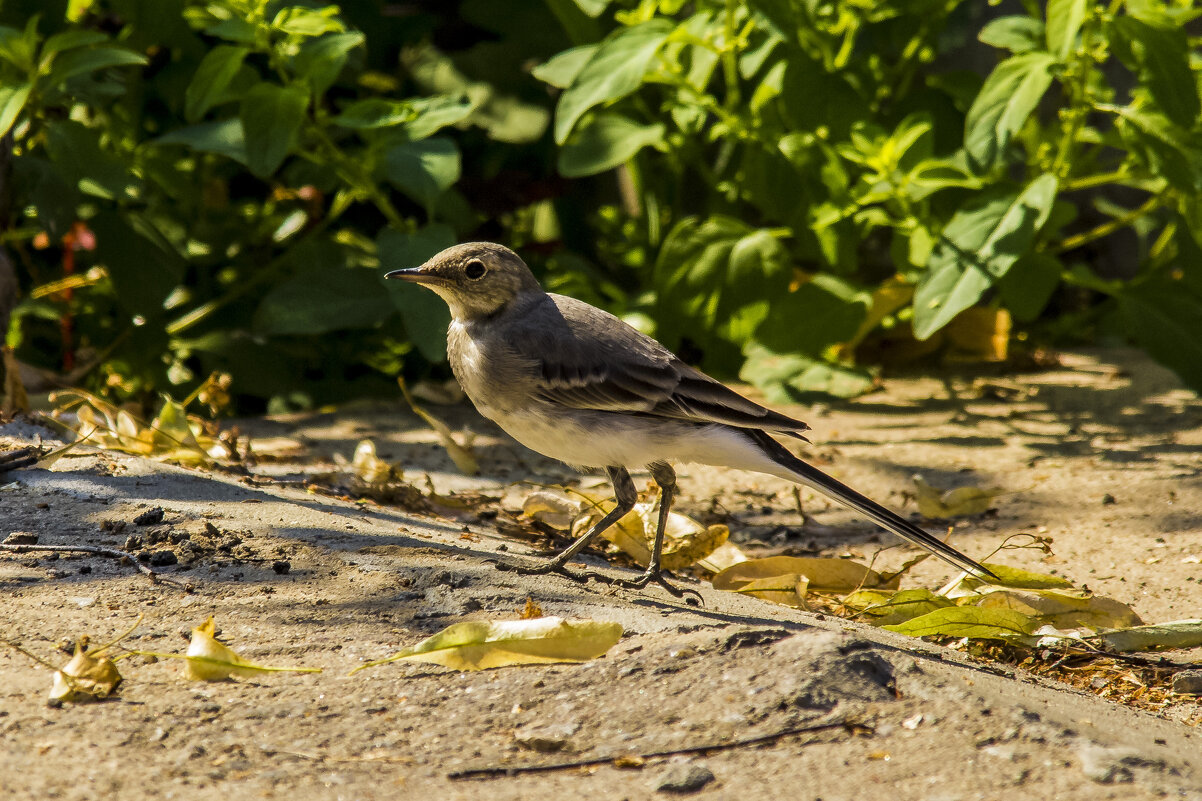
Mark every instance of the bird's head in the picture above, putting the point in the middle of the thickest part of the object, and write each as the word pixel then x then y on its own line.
pixel 476 279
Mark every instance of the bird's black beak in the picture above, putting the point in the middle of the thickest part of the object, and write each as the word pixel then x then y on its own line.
pixel 415 275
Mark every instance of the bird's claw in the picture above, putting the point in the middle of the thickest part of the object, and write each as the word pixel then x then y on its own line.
pixel 544 569
pixel 691 596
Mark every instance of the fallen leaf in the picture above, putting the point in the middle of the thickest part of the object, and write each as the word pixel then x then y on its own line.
pixel 685 540
pixel 370 469
pixel 959 502
pixel 823 575
pixel 86 677
pixel 969 621
pixel 209 659
pixel 788 589
pixel 478 645
pixel 1062 609
pixel 550 508
pixel 890 608
pixel 978 334
pixel 1174 634
pixel 725 555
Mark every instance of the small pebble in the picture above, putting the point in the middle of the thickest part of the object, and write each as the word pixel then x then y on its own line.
pixel 281 567
pixel 162 558
pixel 151 517
pixel 21 538
pixel 1188 682
pixel 687 777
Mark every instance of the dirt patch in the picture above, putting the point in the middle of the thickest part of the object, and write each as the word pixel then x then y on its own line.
pixel 739 697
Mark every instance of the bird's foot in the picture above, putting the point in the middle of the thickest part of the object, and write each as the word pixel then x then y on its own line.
pixel 691 596
pixel 15 460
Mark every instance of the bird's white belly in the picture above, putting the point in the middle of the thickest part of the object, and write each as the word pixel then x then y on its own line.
pixel 601 440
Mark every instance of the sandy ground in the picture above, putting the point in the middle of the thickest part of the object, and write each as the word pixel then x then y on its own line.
pixel 739 698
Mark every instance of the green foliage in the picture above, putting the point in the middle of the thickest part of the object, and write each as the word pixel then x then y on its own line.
pixel 770 187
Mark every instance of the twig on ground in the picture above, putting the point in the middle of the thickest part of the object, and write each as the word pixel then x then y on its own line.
pixel 17 459
pixel 849 724
pixel 112 553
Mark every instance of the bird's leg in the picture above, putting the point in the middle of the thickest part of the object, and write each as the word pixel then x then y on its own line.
pixel 626 496
pixel 665 477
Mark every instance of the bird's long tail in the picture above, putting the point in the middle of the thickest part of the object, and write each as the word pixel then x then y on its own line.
pixel 815 478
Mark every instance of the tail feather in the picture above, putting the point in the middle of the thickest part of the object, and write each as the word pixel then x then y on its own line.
pixel 815 478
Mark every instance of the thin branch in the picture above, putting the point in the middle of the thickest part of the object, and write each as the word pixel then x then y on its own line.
pixel 512 770
pixel 156 578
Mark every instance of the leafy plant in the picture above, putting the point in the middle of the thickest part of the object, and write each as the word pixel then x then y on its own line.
pixel 810 163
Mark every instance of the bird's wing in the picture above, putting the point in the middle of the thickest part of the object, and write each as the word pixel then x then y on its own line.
pixel 593 360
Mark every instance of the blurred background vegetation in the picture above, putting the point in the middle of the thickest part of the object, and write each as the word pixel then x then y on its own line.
pixel 795 192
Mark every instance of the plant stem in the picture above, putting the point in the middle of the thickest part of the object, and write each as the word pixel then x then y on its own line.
pixel 1110 226
pixel 730 56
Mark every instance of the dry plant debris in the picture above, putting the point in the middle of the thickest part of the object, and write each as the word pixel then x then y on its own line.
pixel 478 645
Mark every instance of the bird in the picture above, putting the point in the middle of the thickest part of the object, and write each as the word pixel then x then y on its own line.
pixel 577 384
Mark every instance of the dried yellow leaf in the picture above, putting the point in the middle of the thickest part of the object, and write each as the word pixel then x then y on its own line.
pixel 209 659
pixel 86 677
pixel 959 502
pixel 477 645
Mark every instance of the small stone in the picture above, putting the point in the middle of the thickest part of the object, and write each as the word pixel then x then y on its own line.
pixel 1108 499
pixel 1188 682
pixel 685 777
pixel 281 567
pixel 132 543
pixel 21 538
pixel 546 739
pixel 163 558
pixel 151 517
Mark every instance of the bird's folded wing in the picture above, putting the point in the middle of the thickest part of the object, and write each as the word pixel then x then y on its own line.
pixel 653 384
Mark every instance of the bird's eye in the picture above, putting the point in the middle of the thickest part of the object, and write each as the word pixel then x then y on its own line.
pixel 474 269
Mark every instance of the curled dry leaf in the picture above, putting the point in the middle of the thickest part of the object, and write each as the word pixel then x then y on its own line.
pixel 477 645
pixel 209 659
pixel 767 578
pixel 959 502
pixel 685 540
pixel 171 436
pixel 370 469
pixel 86 677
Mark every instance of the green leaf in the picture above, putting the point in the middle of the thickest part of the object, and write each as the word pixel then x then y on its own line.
pixel 143 268
pixel 1007 99
pixel 223 137
pixel 326 295
pixel 425 315
pixel 615 70
pixel 271 119
pixel 1017 33
pixel 605 142
pixel 212 78
pixel 78 62
pixel 374 112
pixel 1174 634
pixel 1169 151
pixel 436 113
pixel 1028 285
pixel 423 170
pixel 68 40
pixel 1162 55
pixel 1064 23
pixel 75 150
pixel 812 98
pixel 977 247
pixel 1163 316
pixel 791 377
pixel 12 100
pixel 301 21
pixel 562 68
pixel 969 621
pixel 821 312
pixel 1019 579
pixel 319 61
